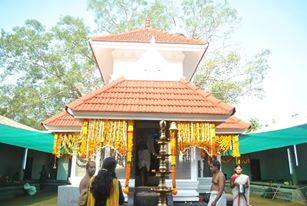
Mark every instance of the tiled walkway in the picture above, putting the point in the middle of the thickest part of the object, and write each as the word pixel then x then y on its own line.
pixel 49 199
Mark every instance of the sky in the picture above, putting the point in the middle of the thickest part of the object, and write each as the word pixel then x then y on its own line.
pixel 280 26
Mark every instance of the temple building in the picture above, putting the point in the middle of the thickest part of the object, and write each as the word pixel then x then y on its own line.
pixel 147 78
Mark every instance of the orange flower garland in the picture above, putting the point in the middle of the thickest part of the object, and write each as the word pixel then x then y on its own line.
pixel 173 155
pixel 235 146
pixel 129 156
pixel 102 133
pixel 64 143
pixel 197 134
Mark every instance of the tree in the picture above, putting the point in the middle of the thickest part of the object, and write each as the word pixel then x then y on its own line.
pixel 44 69
pixel 255 125
pixel 223 71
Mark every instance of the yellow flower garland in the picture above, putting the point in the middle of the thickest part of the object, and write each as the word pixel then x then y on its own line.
pixel 65 143
pixel 129 156
pixel 197 134
pixel 173 156
pixel 94 134
pixel 103 133
pixel 229 142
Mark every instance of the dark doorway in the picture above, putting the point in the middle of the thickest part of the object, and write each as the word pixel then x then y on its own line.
pixel 206 168
pixel 144 132
pixel 28 170
pixel 255 169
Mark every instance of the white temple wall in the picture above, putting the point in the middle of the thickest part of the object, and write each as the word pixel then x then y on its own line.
pixel 147 65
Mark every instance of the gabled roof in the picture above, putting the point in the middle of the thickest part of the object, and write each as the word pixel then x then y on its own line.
pixel 232 125
pixel 145 35
pixel 62 120
pixel 12 123
pixel 151 97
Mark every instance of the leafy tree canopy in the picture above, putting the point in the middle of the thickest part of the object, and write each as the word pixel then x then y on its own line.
pixel 42 69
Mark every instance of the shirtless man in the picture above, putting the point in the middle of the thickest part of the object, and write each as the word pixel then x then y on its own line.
pixel 217 196
pixel 90 171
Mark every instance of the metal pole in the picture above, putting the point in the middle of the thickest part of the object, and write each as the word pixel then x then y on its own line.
pixel 295 155
pixel 289 161
pixel 292 167
pixel 24 164
pixel 24 161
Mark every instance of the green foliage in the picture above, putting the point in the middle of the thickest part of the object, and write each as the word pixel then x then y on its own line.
pixel 255 125
pixel 123 15
pixel 223 71
pixel 44 69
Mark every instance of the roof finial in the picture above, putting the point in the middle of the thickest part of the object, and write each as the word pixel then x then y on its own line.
pixel 147 23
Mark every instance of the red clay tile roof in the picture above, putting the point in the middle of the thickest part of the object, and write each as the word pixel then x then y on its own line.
pixel 233 123
pixel 62 119
pixel 145 35
pixel 140 96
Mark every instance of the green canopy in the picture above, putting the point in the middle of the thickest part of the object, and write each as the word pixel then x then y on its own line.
pixel 35 140
pixel 256 142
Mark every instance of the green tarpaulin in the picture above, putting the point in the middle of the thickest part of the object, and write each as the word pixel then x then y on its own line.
pixel 35 140
pixel 256 142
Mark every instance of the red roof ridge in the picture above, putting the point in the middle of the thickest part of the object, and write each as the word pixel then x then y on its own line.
pixel 172 37
pixel 82 99
pixel 231 109
pixel 93 37
pixel 53 118
pixel 234 123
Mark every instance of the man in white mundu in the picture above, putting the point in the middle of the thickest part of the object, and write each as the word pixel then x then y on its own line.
pixel 217 194
pixel 239 184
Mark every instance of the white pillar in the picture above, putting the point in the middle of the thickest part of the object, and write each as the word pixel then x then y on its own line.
pixel 97 161
pixel 73 165
pixel 193 164
pixel 24 160
pixel 295 155
pixel 24 164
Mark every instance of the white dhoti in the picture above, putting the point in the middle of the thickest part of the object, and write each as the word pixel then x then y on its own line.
pixel 221 202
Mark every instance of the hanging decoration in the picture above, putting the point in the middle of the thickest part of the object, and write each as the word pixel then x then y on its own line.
pixel 129 156
pixel 231 160
pixel 235 146
pixel 173 155
pixel 197 134
pixel 228 142
pixel 96 134
pixel 65 143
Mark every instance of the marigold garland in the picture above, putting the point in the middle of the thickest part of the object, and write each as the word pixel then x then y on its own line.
pixel 229 142
pixel 103 133
pixel 129 156
pixel 173 155
pixel 65 143
pixel 94 134
pixel 197 134
pixel 235 146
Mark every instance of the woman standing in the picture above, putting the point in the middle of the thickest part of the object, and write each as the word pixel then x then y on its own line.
pixel 105 189
pixel 239 184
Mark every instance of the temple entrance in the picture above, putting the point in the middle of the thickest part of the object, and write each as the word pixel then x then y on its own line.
pixel 145 147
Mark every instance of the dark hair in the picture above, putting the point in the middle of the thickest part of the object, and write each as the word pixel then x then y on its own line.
pixel 238 165
pixel 216 163
pixel 103 183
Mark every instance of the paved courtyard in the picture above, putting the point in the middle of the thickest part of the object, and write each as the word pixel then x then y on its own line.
pixel 49 199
